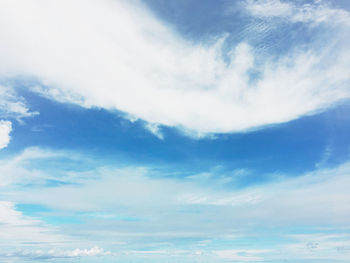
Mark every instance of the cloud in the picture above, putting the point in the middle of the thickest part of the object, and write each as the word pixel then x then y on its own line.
pixel 316 12
pixel 117 55
pixel 107 189
pixel 319 246
pixel 17 229
pixel 128 206
pixel 242 255
pixel 155 129
pixel 5 130
pixel 17 170
pixel 269 8
pixel 57 254
pixel 12 105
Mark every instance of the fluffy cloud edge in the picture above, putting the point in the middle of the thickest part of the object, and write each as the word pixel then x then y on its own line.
pixel 5 130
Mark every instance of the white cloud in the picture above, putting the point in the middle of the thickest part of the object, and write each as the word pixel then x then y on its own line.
pixel 323 193
pixel 228 199
pixel 319 247
pixel 17 229
pixel 269 8
pixel 129 206
pixel 95 251
pixel 250 255
pixel 155 129
pixel 12 105
pixel 317 12
pixel 17 169
pixel 57 253
pixel 116 55
pixel 5 130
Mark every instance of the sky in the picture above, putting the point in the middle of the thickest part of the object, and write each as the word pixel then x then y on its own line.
pixel 174 131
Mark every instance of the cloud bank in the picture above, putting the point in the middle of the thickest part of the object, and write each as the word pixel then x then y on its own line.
pixel 323 193
pixel 134 210
pixel 118 56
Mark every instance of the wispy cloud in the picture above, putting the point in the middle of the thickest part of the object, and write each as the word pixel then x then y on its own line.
pixel 155 129
pixel 242 255
pixel 12 105
pixel 319 246
pixel 314 12
pixel 129 205
pixel 19 230
pixel 126 59
pixel 56 254
pixel 17 170
pixel 323 193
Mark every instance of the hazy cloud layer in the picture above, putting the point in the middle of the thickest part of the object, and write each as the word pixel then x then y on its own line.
pixel 123 208
pixel 323 193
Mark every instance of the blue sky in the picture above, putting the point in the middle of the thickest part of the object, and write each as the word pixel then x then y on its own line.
pixel 174 131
